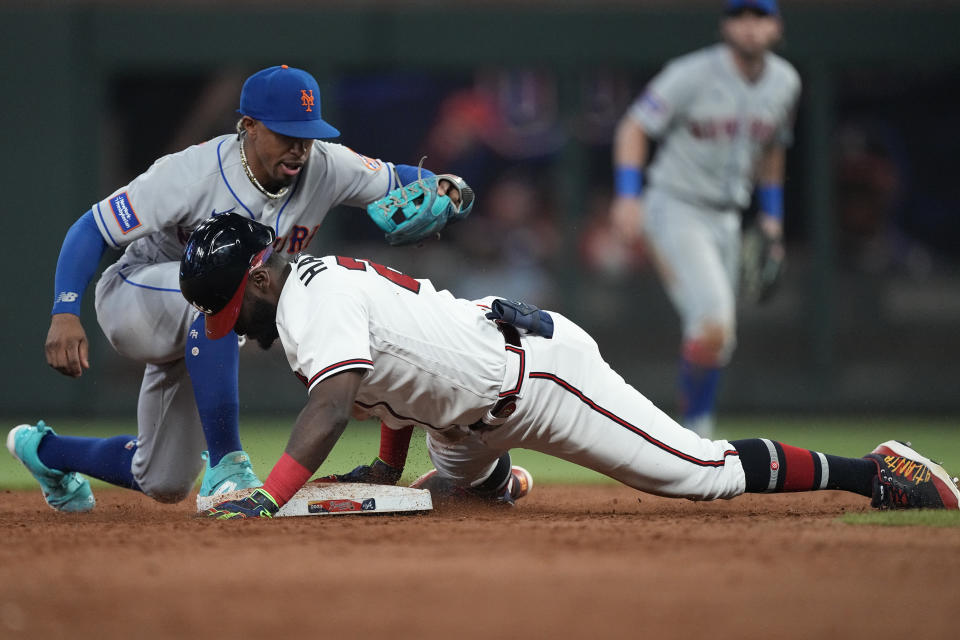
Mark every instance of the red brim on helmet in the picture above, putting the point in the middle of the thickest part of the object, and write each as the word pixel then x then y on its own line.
pixel 222 322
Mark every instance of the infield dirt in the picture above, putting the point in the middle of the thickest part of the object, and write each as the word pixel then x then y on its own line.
pixel 568 562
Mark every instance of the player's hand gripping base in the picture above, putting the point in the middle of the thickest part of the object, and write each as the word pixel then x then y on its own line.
pixel 377 472
pixel 417 211
pixel 258 504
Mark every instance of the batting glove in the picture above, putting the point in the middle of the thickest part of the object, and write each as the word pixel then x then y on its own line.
pixel 377 472
pixel 258 504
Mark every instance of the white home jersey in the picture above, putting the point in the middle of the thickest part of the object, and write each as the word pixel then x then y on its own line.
pixel 713 124
pixel 433 360
pixel 154 214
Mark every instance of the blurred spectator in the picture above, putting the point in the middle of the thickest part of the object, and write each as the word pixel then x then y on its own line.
pixel 870 192
pixel 604 97
pixel 506 116
pixel 510 244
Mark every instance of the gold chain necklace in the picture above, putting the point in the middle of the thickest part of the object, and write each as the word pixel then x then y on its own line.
pixel 253 179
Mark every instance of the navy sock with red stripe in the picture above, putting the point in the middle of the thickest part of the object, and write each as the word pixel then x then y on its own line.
pixel 774 467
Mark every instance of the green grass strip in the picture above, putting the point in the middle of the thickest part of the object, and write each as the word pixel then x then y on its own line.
pixel 265 438
pixel 913 518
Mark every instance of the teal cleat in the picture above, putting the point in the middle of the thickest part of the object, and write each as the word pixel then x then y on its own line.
pixel 232 473
pixel 68 492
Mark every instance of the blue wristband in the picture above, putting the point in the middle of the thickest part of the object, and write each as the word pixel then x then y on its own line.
pixel 628 181
pixel 770 200
pixel 407 174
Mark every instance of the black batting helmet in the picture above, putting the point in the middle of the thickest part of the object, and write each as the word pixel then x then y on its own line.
pixel 215 266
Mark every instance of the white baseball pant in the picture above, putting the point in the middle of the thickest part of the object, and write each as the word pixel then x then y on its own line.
pixel 575 407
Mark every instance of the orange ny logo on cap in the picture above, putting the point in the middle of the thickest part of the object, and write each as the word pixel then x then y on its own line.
pixel 306 99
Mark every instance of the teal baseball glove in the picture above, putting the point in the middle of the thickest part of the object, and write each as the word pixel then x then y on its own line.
pixel 416 212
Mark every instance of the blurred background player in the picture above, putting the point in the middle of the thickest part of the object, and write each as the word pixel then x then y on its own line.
pixel 274 169
pixel 722 117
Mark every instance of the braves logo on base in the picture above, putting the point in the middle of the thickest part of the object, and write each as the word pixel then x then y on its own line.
pixel 343 498
pixel 333 506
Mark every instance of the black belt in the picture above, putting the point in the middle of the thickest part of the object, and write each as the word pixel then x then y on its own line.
pixel 510 334
pixel 506 405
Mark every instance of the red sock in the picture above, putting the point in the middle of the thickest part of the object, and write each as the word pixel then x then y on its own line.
pixel 797 468
pixel 285 479
pixel 394 445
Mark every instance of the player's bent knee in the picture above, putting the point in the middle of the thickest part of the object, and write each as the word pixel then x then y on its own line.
pixel 715 335
pixel 170 498
pixel 133 343
pixel 167 491
pixel 712 347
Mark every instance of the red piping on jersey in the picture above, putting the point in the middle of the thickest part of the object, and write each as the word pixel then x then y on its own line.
pixel 338 365
pixel 623 423
pixel 516 389
pixel 393 413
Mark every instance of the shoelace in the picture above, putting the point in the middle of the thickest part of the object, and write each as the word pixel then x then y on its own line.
pixel 897 496
pixel 405 193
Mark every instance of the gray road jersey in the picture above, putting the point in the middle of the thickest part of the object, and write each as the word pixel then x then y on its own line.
pixel 153 215
pixel 712 124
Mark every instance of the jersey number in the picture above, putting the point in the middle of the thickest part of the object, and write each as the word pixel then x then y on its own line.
pixel 397 278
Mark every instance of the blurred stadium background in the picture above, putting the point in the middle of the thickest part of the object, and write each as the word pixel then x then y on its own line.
pixel 521 99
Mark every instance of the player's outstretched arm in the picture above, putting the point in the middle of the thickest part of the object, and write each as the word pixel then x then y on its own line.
pixel 323 419
pixel 629 157
pixel 317 429
pixel 66 346
pixel 770 176
pixel 387 467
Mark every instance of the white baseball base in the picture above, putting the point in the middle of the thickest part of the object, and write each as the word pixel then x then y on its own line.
pixel 339 498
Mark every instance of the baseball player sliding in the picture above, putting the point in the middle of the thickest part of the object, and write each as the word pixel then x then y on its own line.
pixel 482 378
pixel 723 117
pixel 274 169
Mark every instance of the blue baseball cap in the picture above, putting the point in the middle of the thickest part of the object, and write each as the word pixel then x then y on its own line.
pixel 286 101
pixel 766 7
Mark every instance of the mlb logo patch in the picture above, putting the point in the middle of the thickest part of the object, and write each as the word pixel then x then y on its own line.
pixel 124 213
pixel 652 102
